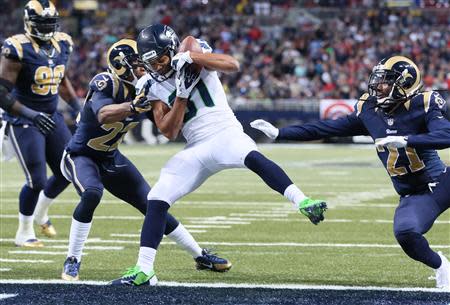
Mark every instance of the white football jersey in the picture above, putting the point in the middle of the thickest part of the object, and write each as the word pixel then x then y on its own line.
pixel 207 110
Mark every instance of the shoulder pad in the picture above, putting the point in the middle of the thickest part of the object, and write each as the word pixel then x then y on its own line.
pixel 205 46
pixel 359 104
pixel 432 99
pixel 61 36
pixel 105 82
pixel 12 47
pixel 143 85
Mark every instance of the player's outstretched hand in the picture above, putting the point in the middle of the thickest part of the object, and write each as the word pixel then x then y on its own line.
pixel 267 128
pixel 392 141
pixel 180 59
pixel 44 123
pixel 140 104
pixel 185 80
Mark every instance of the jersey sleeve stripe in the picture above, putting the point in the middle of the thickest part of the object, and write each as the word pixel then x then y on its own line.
pixel 426 100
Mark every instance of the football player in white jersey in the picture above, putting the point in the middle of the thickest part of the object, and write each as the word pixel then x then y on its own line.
pixel 187 95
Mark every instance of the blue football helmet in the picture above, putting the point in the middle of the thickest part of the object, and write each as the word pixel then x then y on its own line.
pixel 41 19
pixel 394 80
pixel 156 45
pixel 122 59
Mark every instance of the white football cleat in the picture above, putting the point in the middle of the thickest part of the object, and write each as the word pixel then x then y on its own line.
pixel 27 240
pixel 443 274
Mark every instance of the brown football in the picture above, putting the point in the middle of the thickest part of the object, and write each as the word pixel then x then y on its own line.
pixel 191 44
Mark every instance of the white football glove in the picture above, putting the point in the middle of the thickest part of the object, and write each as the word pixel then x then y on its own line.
pixel 392 141
pixel 267 128
pixel 180 59
pixel 185 81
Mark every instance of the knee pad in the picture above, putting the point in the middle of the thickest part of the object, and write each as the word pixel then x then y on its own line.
pixel 90 199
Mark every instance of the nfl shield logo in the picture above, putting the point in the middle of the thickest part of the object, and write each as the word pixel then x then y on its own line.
pixel 390 121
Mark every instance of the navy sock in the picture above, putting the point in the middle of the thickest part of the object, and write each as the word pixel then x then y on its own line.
pixel 270 172
pixel 90 199
pixel 54 186
pixel 417 247
pixel 171 224
pixel 27 200
pixel 154 223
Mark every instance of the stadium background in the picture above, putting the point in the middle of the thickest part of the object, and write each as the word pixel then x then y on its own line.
pixel 293 53
pixel 295 56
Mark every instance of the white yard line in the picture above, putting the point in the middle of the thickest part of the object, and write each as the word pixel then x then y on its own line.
pixel 41 261
pixel 5 269
pixel 7 296
pixel 101 248
pixel 37 252
pixel 244 285
pixel 245 244
pixel 206 227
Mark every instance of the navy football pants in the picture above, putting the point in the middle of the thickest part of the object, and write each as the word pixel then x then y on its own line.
pixel 34 151
pixel 118 175
pixel 415 216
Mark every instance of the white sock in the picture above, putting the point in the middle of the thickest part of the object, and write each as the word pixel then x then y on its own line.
pixel 185 240
pixel 26 226
pixel 41 211
pixel 79 232
pixel 146 259
pixel 294 195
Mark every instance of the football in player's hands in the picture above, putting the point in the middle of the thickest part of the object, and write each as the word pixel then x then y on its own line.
pixel 140 104
pixel 183 57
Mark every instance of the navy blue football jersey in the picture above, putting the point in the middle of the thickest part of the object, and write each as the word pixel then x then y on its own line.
pixel 43 68
pixel 101 140
pixel 421 119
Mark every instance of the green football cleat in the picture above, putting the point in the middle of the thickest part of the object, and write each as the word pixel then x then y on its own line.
pixel 135 277
pixel 313 209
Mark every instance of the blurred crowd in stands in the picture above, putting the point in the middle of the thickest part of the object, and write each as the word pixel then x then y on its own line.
pixel 324 51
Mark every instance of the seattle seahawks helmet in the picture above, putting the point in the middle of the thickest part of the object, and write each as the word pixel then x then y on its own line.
pixel 40 19
pixel 156 45
pixel 122 58
pixel 393 81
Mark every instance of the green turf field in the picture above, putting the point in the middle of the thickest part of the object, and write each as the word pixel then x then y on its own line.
pixel 246 222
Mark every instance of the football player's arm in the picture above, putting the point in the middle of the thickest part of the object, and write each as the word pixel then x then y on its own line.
pixel 169 121
pixel 346 126
pixel 9 71
pixel 438 136
pixel 216 62
pixel 67 92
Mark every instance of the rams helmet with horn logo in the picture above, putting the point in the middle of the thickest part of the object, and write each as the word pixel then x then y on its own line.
pixel 40 19
pixel 122 58
pixel 394 80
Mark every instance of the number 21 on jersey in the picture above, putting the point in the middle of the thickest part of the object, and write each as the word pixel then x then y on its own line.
pixel 415 164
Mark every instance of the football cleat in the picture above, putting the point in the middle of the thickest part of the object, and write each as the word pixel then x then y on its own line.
pixel 29 243
pixel 443 274
pixel 48 229
pixel 135 277
pixel 71 269
pixel 313 209
pixel 210 261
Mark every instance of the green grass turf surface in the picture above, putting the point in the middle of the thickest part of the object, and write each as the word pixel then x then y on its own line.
pixel 254 219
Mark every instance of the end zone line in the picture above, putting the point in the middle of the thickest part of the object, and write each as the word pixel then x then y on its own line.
pixel 243 285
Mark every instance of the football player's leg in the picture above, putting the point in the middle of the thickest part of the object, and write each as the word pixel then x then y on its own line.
pixel 118 184
pixel 236 149
pixel 85 176
pixel 181 175
pixel 441 194
pixel 55 144
pixel 29 146
pixel 413 217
